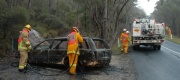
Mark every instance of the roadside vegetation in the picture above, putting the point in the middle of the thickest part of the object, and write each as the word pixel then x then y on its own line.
pixel 51 18
pixel 167 11
pixel 174 39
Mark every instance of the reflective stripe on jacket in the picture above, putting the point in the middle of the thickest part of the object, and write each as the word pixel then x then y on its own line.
pixel 73 39
pixel 23 41
pixel 121 36
pixel 125 38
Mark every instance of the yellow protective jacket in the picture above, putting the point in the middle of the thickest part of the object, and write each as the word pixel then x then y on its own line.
pixel 121 36
pixel 125 39
pixel 74 38
pixel 23 42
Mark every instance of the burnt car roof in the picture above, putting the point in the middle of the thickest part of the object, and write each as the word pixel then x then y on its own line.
pixel 66 38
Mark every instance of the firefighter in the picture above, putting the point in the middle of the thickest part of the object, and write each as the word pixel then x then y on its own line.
pixel 24 47
pixel 75 41
pixel 125 42
pixel 121 46
pixel 170 33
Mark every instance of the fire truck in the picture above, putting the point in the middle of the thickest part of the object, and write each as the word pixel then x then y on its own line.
pixel 147 32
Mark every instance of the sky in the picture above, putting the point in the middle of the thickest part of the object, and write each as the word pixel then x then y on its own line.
pixel 148 7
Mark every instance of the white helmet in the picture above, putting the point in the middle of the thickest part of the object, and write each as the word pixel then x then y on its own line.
pixel 127 32
pixel 124 29
pixel 75 28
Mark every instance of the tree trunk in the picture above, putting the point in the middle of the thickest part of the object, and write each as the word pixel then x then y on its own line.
pixel 105 28
pixel 29 3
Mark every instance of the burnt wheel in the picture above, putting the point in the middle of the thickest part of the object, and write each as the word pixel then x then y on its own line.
pixel 66 62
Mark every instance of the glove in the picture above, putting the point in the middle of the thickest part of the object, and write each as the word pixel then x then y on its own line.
pixel 29 48
pixel 80 46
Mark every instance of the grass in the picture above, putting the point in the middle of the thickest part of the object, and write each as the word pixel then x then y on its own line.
pixel 174 39
pixel 116 50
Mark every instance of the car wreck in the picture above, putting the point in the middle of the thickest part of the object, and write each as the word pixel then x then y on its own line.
pixel 94 52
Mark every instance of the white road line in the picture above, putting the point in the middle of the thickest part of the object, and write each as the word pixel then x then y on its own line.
pixel 171 50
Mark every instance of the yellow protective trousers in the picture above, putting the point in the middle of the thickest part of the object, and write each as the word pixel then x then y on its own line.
pixel 125 49
pixel 73 62
pixel 121 46
pixel 23 59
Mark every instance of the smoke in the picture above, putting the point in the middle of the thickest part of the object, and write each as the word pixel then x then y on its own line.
pixel 35 38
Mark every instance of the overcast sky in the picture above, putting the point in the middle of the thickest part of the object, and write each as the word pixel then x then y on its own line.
pixel 147 6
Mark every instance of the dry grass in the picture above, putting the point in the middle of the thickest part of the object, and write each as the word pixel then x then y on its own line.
pixel 116 50
pixel 174 39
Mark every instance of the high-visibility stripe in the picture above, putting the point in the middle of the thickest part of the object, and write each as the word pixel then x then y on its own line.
pixel 27 42
pixel 20 46
pixel 72 65
pixel 69 52
pixel 125 38
pixel 21 67
pixel 72 38
pixel 72 42
pixel 20 40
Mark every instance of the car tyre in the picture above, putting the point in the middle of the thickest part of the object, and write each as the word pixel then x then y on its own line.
pixel 66 62
pixel 159 47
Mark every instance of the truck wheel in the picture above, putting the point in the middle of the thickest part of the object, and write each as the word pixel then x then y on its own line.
pixel 134 47
pixel 138 47
pixel 159 47
pixel 154 47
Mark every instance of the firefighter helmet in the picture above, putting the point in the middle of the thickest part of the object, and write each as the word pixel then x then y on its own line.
pixel 75 29
pixel 124 30
pixel 28 27
pixel 127 32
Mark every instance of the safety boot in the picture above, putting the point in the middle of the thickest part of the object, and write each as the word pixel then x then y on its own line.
pixel 20 70
pixel 24 71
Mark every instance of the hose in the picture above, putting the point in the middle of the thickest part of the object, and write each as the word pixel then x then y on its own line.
pixel 54 74
pixel 15 64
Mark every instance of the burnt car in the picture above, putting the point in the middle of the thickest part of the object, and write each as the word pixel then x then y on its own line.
pixel 94 52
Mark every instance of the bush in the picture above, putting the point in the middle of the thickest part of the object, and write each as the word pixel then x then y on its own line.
pixel 51 21
pixel 18 15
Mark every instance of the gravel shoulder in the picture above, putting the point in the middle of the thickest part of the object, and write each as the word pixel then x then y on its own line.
pixel 120 68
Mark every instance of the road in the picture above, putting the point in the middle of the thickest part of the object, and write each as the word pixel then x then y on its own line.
pixel 157 65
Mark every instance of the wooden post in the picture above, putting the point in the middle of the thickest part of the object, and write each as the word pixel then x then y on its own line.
pixel 118 43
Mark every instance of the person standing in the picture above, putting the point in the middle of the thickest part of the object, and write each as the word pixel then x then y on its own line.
pixel 74 41
pixel 121 37
pixel 125 42
pixel 170 33
pixel 24 47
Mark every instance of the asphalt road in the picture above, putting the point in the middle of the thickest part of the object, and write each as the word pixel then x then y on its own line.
pixel 161 64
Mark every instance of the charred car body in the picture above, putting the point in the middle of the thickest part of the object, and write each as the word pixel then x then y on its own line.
pixel 95 52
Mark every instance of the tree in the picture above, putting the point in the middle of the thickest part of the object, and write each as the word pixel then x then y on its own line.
pixel 168 12
pixel 106 16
